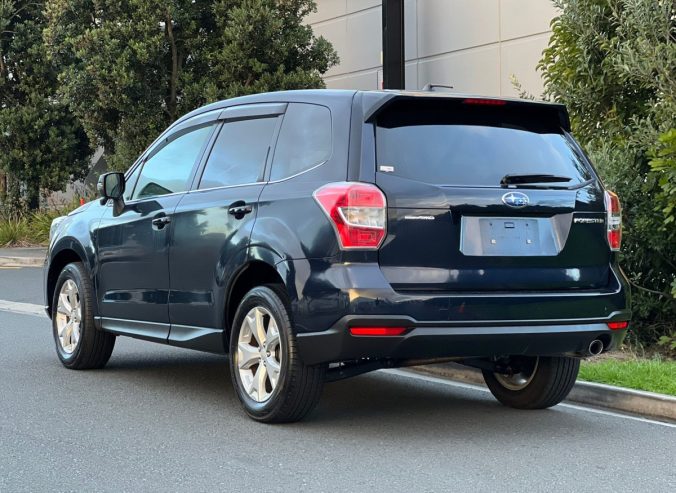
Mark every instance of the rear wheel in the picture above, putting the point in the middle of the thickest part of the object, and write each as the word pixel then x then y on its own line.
pixel 269 377
pixel 79 344
pixel 535 382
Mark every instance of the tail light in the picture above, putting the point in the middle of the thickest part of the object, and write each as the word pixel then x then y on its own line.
pixel 613 220
pixel 358 213
pixel 618 325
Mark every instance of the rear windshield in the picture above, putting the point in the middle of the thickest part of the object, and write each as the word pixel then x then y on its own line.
pixel 459 144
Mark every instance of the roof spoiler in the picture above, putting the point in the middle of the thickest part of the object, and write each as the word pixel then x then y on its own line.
pixel 375 102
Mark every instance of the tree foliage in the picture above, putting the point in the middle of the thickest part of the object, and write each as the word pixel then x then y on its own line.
pixel 42 146
pixel 613 63
pixel 131 67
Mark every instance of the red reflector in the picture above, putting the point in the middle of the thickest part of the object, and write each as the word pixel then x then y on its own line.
pixel 377 331
pixel 486 102
pixel 618 325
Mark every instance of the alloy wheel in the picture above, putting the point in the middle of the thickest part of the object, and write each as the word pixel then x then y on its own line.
pixel 521 379
pixel 69 317
pixel 259 354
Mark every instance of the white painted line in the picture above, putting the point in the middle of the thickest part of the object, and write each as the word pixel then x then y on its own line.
pixel 467 386
pixel 617 415
pixel 22 308
pixel 429 378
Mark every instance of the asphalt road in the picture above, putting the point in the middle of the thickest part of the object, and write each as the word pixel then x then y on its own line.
pixel 163 419
pixel 21 284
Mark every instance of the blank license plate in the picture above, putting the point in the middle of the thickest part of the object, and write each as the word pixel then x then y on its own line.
pixel 501 236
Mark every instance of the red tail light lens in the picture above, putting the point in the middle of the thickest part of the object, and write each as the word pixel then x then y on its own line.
pixel 377 331
pixel 358 212
pixel 613 220
pixel 618 325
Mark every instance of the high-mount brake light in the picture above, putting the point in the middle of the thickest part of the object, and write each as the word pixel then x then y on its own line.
pixel 613 220
pixel 358 212
pixel 485 102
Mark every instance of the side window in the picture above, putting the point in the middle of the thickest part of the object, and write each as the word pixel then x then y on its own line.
pixel 169 169
pixel 304 140
pixel 130 181
pixel 239 153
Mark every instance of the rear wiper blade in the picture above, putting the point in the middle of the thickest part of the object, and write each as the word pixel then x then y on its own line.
pixel 522 179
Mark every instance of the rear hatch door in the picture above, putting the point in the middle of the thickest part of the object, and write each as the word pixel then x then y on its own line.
pixel 487 195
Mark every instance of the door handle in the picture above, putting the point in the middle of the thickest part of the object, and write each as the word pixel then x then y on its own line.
pixel 161 222
pixel 239 209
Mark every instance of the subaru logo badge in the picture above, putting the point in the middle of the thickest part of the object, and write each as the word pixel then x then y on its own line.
pixel 515 199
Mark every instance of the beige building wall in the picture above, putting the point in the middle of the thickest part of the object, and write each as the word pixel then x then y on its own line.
pixel 476 46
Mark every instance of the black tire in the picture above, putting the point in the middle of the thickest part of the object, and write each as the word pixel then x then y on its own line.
pixel 553 379
pixel 94 347
pixel 299 386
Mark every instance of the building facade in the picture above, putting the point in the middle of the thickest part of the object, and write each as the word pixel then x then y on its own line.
pixel 476 46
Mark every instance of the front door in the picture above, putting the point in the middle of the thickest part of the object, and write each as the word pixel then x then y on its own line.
pixel 211 230
pixel 133 247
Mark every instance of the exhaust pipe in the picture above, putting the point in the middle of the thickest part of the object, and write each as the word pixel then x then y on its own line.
pixel 595 347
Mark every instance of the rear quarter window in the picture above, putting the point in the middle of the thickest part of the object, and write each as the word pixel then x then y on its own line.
pixel 305 140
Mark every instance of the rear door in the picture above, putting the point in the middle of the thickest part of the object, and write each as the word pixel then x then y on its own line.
pixel 452 225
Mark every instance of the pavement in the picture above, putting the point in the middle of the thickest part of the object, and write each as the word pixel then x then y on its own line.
pixel 34 252
pixel 22 257
pixel 165 419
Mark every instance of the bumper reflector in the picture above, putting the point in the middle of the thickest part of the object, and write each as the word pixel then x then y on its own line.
pixel 377 331
pixel 618 325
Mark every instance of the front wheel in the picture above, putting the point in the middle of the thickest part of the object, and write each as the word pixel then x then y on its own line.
pixel 535 382
pixel 79 344
pixel 271 381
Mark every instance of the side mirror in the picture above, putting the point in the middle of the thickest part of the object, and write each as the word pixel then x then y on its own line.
pixel 111 186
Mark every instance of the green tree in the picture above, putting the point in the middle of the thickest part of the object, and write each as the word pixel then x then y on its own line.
pixel 130 68
pixel 613 63
pixel 42 146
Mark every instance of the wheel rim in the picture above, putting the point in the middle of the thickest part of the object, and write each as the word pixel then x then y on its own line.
pixel 520 380
pixel 68 317
pixel 259 354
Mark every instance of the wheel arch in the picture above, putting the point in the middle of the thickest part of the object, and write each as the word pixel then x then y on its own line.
pixel 256 272
pixel 67 251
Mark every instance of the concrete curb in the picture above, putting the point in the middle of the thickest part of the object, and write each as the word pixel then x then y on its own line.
pixel 21 261
pixel 594 394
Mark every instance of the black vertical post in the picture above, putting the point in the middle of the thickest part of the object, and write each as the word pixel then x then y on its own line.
pixel 393 44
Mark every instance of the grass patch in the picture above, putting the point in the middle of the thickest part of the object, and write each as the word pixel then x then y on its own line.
pixel 654 375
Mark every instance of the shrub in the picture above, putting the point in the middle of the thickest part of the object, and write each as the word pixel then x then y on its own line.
pixel 29 228
pixel 612 62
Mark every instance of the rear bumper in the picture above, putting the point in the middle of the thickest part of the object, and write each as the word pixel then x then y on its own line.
pixel 438 341
pixel 328 298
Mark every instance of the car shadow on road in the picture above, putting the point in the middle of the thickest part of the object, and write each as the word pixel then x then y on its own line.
pixel 368 404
